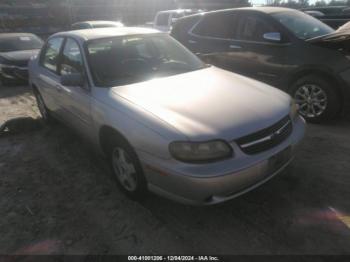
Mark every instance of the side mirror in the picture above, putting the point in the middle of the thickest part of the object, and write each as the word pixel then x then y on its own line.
pixel 72 80
pixel 273 37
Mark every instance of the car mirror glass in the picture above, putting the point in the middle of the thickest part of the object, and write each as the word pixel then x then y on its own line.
pixel 273 36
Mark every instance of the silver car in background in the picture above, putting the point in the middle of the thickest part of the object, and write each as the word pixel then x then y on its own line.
pixel 167 122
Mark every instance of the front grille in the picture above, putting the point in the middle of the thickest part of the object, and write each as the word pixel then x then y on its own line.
pixel 266 138
pixel 21 73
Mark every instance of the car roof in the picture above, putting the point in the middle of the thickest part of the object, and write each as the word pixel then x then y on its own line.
pixel 263 9
pixel 97 33
pixel 9 35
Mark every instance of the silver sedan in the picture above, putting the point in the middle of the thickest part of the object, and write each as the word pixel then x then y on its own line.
pixel 167 122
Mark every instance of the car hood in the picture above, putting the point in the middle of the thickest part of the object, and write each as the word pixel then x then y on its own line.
pixel 339 39
pixel 20 58
pixel 209 103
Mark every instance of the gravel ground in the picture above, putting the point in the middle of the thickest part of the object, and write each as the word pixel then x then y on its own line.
pixel 57 197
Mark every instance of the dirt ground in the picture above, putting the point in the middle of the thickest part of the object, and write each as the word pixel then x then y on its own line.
pixel 57 197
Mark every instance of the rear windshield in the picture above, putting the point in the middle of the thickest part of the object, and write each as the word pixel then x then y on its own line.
pixel 130 59
pixel 162 19
pixel 20 43
pixel 302 25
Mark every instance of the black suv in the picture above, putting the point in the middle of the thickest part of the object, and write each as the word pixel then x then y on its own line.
pixel 283 47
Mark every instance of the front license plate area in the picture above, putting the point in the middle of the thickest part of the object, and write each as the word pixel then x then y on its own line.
pixel 278 160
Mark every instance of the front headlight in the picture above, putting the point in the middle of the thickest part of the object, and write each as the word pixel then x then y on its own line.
pixel 200 151
pixel 294 108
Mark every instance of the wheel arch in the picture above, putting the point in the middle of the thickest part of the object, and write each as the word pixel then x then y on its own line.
pixel 322 73
pixel 34 87
pixel 105 135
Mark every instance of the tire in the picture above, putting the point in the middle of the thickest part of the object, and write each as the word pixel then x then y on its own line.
pixel 44 111
pixel 126 169
pixel 317 98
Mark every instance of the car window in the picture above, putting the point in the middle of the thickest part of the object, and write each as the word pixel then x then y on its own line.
pixel 163 19
pixel 76 26
pixel 103 25
pixel 221 25
pixel 51 54
pixel 72 61
pixel 253 27
pixel 178 14
pixel 302 25
pixel 131 59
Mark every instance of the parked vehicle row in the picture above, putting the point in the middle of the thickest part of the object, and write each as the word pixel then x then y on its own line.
pixel 164 20
pixel 166 121
pixel 95 24
pixel 333 16
pixel 282 47
pixel 17 48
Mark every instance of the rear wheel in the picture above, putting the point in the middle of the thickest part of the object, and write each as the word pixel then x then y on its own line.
pixel 317 98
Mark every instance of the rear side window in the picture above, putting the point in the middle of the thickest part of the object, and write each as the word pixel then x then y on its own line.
pixel 220 25
pixel 51 53
pixel 183 26
pixel 253 28
pixel 162 19
pixel 72 61
pixel 80 26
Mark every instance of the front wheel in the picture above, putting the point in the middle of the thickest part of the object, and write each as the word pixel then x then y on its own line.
pixel 317 98
pixel 127 170
pixel 44 111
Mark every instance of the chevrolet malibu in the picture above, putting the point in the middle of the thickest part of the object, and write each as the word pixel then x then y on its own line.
pixel 167 122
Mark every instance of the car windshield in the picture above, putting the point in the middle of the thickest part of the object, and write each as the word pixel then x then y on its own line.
pixel 302 25
pixel 20 43
pixel 131 59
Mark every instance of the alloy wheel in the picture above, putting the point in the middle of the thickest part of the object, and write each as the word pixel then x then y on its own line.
pixel 312 100
pixel 124 169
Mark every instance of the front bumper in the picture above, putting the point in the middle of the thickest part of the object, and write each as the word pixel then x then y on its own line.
pixel 206 184
pixel 14 73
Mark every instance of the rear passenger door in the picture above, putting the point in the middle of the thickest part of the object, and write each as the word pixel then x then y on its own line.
pixel 75 100
pixel 48 78
pixel 213 39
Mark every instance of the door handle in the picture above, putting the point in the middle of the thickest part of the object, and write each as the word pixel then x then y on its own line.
pixel 235 47
pixel 192 42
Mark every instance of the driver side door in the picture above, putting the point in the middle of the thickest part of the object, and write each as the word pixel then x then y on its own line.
pixel 264 58
pixel 75 100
